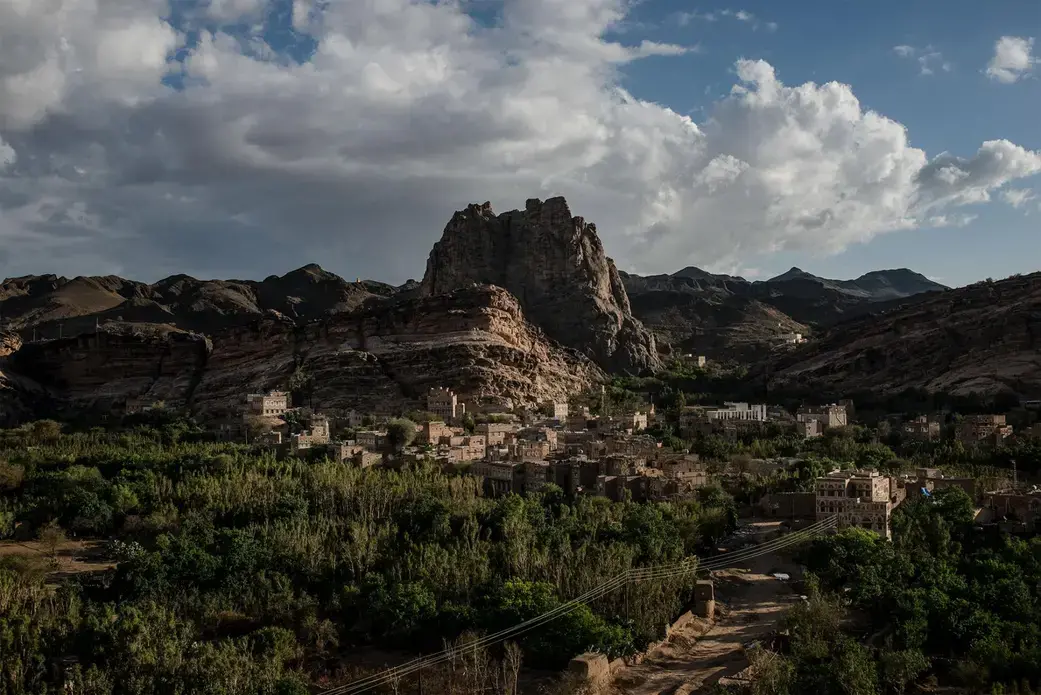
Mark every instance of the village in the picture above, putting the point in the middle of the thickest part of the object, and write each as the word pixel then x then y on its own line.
pixel 522 450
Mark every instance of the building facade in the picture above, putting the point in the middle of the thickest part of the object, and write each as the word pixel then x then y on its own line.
pixel 271 404
pixel 857 498
pixel 832 415
pixel 443 403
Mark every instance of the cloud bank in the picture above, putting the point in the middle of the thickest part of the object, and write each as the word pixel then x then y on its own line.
pixel 244 137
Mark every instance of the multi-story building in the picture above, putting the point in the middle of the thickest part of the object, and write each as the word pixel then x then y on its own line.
pixel 316 435
pixel 922 429
pixel 809 428
pixel 271 404
pixel 500 477
pixel 372 440
pixel 989 430
pixel 496 433
pixel 857 498
pixel 443 403
pixel 832 415
pixel 434 431
pixel 738 411
pixel 560 411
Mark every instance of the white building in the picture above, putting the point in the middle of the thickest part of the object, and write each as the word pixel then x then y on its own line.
pixel 738 411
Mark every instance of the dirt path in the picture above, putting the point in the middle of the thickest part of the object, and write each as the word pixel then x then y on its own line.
pixel 71 556
pixel 749 605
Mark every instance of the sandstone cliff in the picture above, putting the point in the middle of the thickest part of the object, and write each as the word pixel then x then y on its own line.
pixel 984 338
pixel 555 265
pixel 380 356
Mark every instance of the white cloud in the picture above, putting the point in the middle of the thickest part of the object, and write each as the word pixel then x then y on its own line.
pixel 1017 197
pixel 929 60
pixel 7 155
pixel 234 10
pixel 1013 59
pixel 958 220
pixel 689 17
pixel 408 110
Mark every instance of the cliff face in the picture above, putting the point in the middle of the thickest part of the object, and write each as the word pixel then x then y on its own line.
pixel 381 356
pixel 984 338
pixel 555 265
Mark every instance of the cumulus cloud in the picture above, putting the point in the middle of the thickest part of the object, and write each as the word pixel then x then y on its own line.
pixel 1013 59
pixel 929 60
pixel 348 133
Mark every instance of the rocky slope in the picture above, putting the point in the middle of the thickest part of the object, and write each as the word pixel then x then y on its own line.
pixel 381 355
pixel 984 338
pixel 555 265
pixel 59 307
pixel 726 316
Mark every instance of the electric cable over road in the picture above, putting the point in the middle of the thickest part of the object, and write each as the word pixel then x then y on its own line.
pixel 660 572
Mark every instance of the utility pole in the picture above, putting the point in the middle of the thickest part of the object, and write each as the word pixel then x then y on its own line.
pixel 1015 475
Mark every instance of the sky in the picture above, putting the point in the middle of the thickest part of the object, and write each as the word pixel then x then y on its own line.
pixel 243 138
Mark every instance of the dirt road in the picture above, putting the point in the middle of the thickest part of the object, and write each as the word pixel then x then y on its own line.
pixel 749 605
pixel 70 556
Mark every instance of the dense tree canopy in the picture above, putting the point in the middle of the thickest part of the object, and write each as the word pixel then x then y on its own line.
pixel 240 573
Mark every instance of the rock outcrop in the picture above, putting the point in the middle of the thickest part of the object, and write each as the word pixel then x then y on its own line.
pixel 984 338
pixel 381 356
pixel 555 265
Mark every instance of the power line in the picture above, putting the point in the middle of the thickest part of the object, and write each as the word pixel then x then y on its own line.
pixel 660 572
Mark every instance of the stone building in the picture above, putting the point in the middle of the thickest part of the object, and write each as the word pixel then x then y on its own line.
pixel 1020 511
pixel 372 440
pixel 922 429
pixel 809 428
pixel 832 415
pixel 858 498
pixel 987 430
pixel 316 435
pixel 434 431
pixel 443 403
pixel 271 404
pixel 496 433
pixel 500 477
pixel 560 411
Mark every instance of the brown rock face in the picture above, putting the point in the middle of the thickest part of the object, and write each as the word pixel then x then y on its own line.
pixel 384 355
pixel 555 265
pixel 984 338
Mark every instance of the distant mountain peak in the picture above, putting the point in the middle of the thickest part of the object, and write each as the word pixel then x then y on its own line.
pixel 694 273
pixel 793 273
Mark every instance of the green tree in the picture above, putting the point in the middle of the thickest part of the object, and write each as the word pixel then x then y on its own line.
pixel 400 433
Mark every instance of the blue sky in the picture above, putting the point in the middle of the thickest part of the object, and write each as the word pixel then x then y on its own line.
pixel 852 41
pixel 240 138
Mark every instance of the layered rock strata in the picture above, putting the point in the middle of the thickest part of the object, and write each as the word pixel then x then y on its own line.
pixel 984 338
pixel 380 357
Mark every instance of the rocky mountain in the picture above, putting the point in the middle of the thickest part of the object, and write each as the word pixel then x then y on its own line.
pixel 555 265
pixel 984 338
pixel 379 355
pixel 878 285
pixel 56 306
pixel 727 316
